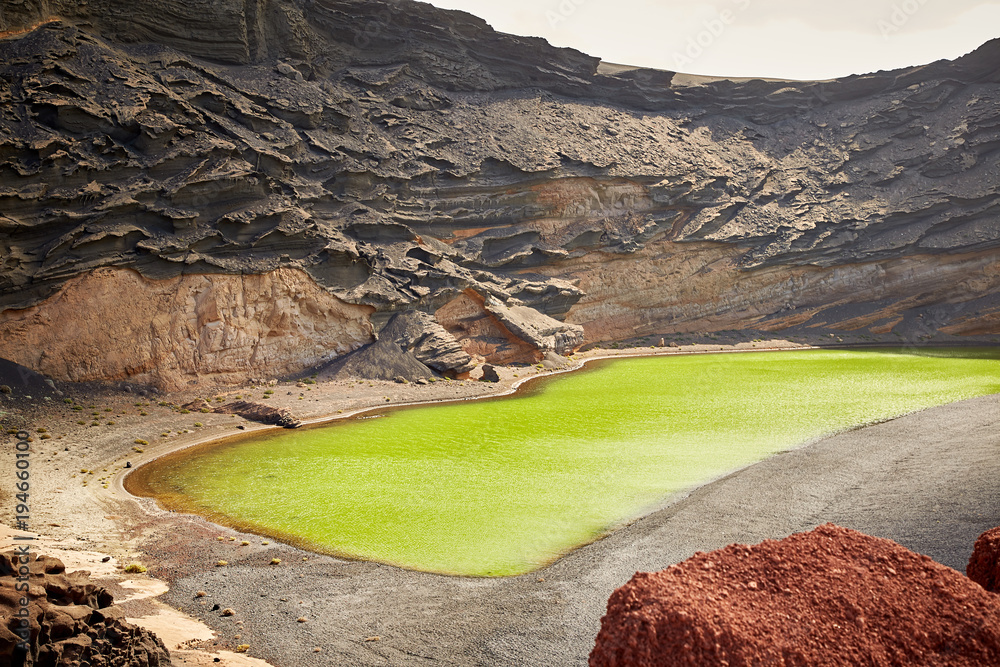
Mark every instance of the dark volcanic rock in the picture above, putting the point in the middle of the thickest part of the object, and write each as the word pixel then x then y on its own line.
pixel 828 597
pixel 22 381
pixel 70 621
pixel 411 158
pixel 381 360
pixel 258 412
pixel 411 346
pixel 429 342
pixel 984 564
pixel 489 374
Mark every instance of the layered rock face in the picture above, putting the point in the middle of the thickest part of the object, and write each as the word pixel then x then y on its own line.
pixel 115 324
pixel 828 597
pixel 410 158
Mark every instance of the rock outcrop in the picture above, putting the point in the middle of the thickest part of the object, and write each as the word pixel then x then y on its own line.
pixel 408 158
pixel 430 344
pixel 831 596
pixel 69 620
pixel 412 346
pixel 260 413
pixel 984 564
pixel 505 333
pixel 115 324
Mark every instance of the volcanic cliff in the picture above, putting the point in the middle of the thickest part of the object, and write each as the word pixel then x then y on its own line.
pixel 201 190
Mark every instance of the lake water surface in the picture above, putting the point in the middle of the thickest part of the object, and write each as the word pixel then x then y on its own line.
pixel 500 487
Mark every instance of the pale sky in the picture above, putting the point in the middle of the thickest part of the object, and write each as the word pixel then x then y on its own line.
pixel 795 39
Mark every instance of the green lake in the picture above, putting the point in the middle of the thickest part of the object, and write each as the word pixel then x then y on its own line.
pixel 505 486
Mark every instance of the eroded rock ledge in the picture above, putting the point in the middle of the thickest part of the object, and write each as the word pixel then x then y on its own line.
pixel 412 159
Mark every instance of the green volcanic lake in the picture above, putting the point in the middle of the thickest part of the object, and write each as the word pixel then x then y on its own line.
pixel 504 486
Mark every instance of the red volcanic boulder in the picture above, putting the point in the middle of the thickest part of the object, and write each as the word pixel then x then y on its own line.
pixel 831 596
pixel 984 565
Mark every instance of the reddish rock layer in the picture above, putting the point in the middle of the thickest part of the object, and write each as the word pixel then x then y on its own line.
pixel 831 596
pixel 482 334
pixel 984 565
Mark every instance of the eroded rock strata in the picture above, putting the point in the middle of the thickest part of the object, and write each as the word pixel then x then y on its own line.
pixel 831 596
pixel 396 157
pixel 115 324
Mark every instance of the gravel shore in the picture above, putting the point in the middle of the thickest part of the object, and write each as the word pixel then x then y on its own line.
pixel 926 480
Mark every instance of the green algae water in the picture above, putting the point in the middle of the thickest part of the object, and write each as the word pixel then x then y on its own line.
pixel 501 487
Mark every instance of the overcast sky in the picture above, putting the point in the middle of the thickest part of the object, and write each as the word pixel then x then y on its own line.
pixel 796 39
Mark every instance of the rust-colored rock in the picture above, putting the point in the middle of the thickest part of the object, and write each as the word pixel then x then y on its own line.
pixel 984 564
pixel 481 334
pixel 503 334
pixel 831 596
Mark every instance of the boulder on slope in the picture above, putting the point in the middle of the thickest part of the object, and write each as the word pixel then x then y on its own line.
pixel 411 346
pixel 258 412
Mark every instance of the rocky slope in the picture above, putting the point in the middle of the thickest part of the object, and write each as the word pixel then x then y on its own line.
pixel 399 157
